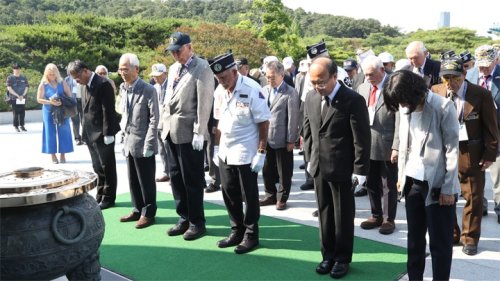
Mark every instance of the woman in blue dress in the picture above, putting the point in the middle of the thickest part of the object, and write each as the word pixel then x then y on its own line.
pixel 56 130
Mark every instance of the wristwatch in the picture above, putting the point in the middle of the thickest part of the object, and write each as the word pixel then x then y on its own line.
pixel 261 151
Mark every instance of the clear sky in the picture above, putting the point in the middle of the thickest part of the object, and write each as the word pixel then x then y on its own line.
pixel 410 15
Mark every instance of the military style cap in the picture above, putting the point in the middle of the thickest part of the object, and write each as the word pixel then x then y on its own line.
pixel 242 61
pixel 221 63
pixel 452 66
pixel 466 56
pixel 158 69
pixel 447 54
pixel 177 40
pixel 316 49
pixel 350 64
pixel 16 66
pixel 485 55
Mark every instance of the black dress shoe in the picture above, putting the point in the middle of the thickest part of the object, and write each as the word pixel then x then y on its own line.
pixel 105 205
pixel 485 212
pixel 23 129
pixel 470 250
pixel 315 214
pixel 498 219
pixel 339 269
pixel 212 188
pixel 80 142
pixel 178 229
pixel 302 166
pixel 325 267
pixel 268 200
pixel 194 232
pixel 232 240
pixel 307 186
pixel 247 245
pixel 360 193
pixel 301 152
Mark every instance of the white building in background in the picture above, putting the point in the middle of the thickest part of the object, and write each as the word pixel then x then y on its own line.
pixel 444 19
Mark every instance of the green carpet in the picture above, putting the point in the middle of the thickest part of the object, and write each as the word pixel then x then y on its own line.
pixel 288 251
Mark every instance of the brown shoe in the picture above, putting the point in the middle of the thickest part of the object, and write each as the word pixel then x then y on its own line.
pixel 387 227
pixel 268 200
pixel 130 217
pixel 372 222
pixel 144 222
pixel 163 179
pixel 280 206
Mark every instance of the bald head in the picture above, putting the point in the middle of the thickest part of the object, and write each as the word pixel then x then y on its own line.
pixel 323 74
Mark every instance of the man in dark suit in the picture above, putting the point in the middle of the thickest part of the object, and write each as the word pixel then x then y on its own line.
pixel 139 123
pixel 336 125
pixel 100 124
pixel 384 146
pixel 283 102
pixel 477 147
pixel 185 115
pixel 421 65
pixel 489 78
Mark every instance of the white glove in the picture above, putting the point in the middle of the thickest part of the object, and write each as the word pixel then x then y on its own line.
pixel 147 153
pixel 215 159
pixel 258 162
pixel 108 139
pixel 197 142
pixel 361 179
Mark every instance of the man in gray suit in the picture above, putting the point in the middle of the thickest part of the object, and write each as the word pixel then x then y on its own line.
pixel 283 101
pixel 159 74
pixel 139 123
pixel 383 158
pixel 186 110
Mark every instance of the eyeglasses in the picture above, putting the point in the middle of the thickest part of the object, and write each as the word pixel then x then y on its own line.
pixel 123 70
pixel 102 73
pixel 452 79
pixel 319 85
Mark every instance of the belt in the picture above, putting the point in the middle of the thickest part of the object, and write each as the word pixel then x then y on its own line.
pixel 473 141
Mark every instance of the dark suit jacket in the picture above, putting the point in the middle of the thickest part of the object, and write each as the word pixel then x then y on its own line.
pixel 99 115
pixel 341 145
pixel 495 92
pixel 431 72
pixel 481 125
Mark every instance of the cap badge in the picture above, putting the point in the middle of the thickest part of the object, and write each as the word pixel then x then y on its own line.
pixel 218 67
pixel 314 51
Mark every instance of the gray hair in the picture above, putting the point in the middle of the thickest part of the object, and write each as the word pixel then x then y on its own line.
pixel 416 45
pixel 276 66
pixel 371 61
pixel 132 59
pixel 99 67
pixel 77 67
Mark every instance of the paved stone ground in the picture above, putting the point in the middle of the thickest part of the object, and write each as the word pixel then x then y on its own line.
pixel 23 149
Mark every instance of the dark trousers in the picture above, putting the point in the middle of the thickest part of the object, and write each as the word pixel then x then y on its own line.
pixel 104 165
pixel 278 166
pixel 438 221
pixel 382 171
pixel 472 185
pixel 76 120
pixel 18 112
pixel 213 170
pixel 336 210
pixel 186 172
pixel 141 176
pixel 240 183
pixel 162 149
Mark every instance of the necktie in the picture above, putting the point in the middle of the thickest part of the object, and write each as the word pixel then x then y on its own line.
pixel 373 97
pixel 324 108
pixel 484 84
pixel 180 73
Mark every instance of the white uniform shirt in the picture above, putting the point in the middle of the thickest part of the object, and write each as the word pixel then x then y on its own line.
pixel 238 120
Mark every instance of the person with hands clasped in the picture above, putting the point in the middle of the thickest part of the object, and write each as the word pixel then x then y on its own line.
pixel 427 166
pixel 243 116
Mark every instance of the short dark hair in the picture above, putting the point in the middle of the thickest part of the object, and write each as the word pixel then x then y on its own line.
pixel 332 67
pixel 77 66
pixel 404 88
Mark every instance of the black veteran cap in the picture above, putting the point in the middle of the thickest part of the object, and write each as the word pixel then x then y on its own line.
pixel 15 66
pixel 221 63
pixel 242 61
pixel 177 40
pixel 452 66
pixel 447 54
pixel 466 56
pixel 350 64
pixel 316 49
